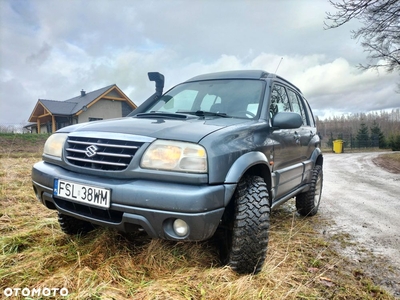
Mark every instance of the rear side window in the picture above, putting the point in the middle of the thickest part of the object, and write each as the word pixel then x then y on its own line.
pixel 309 112
pixel 297 105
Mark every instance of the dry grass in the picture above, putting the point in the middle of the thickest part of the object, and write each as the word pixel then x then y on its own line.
pixel 106 264
pixel 389 162
pixel 393 157
pixel 21 145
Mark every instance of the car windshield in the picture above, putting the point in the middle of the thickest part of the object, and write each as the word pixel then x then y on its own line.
pixel 229 98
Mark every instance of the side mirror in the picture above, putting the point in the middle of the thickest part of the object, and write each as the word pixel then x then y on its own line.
pixel 159 79
pixel 287 120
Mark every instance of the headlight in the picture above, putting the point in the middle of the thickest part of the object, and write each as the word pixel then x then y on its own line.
pixel 55 144
pixel 175 156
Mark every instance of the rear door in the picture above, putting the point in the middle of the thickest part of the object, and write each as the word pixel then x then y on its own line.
pixel 305 133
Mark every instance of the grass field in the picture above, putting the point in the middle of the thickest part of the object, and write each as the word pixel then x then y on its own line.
pixel 34 253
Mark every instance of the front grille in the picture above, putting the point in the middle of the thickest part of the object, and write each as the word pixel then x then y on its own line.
pixel 101 153
pixel 99 214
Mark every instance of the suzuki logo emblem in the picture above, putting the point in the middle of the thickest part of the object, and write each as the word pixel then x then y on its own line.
pixel 91 151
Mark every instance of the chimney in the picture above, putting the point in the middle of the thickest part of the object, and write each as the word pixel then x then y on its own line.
pixel 83 93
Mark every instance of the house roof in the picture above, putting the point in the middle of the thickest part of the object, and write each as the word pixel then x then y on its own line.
pixel 46 108
pixel 82 101
pixel 58 107
pixel 73 105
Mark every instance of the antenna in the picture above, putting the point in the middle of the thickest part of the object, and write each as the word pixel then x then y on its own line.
pixel 278 65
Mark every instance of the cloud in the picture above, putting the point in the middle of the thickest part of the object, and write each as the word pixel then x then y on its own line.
pixel 340 87
pixel 54 51
pixel 41 56
pixel 14 110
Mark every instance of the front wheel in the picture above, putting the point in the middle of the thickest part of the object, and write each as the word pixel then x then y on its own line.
pixel 72 226
pixel 307 203
pixel 246 225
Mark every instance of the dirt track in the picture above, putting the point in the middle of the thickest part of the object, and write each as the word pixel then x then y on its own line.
pixel 364 201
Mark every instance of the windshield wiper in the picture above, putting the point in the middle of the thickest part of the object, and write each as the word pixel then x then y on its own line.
pixel 202 113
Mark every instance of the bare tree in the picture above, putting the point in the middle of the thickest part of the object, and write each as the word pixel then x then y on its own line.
pixel 380 33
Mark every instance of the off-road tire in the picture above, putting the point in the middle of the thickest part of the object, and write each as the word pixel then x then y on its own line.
pixel 307 203
pixel 73 226
pixel 245 238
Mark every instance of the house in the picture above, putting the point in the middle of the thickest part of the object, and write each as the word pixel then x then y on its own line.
pixel 105 103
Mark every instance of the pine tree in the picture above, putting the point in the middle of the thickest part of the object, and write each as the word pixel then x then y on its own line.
pixel 377 137
pixel 330 141
pixel 362 136
pixel 394 142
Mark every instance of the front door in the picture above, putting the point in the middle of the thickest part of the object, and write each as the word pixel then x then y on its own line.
pixel 287 166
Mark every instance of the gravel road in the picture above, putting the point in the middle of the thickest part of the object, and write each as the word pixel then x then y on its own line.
pixel 364 201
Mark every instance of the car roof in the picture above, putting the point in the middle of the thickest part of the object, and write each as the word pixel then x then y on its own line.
pixel 240 74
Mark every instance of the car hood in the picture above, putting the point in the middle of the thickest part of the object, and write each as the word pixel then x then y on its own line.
pixel 191 129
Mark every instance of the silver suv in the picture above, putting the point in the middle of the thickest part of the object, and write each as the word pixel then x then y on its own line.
pixel 209 158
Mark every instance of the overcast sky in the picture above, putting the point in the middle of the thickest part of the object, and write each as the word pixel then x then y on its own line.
pixel 52 49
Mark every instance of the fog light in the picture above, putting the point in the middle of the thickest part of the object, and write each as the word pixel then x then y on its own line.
pixel 181 228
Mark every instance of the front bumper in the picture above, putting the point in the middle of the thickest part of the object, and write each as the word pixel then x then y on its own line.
pixel 151 205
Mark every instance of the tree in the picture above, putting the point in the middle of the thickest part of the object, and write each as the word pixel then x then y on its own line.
pixel 330 141
pixel 394 142
pixel 377 136
pixel 380 31
pixel 362 136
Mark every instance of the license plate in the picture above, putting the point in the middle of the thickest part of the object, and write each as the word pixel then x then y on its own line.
pixel 83 193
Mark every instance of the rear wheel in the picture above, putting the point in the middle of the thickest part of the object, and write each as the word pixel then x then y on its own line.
pixel 307 203
pixel 72 226
pixel 246 225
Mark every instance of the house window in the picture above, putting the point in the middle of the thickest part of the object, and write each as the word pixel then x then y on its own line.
pixel 48 127
pixel 95 119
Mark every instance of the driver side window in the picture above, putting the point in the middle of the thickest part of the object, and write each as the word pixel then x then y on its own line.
pixel 279 100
